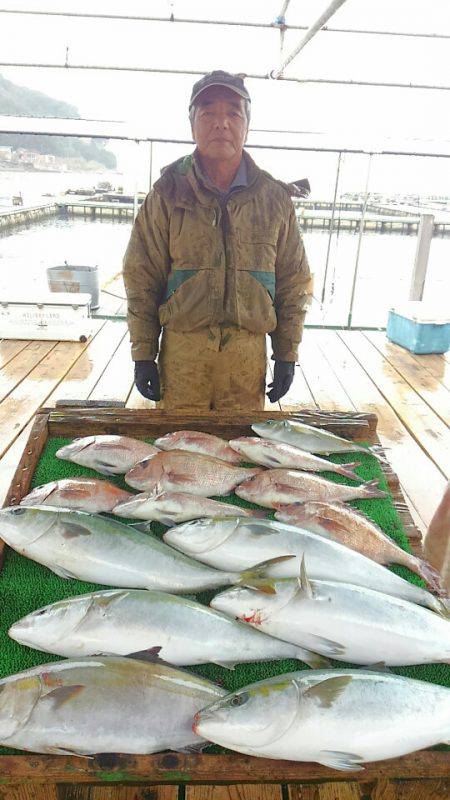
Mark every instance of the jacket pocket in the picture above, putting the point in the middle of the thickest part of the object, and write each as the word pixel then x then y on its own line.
pixel 189 305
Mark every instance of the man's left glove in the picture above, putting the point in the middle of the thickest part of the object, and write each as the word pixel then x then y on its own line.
pixel 283 375
pixel 146 378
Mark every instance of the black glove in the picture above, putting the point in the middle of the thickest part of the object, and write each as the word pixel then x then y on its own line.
pixel 146 379
pixel 283 375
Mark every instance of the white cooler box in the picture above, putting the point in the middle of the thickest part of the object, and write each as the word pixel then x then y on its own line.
pixel 63 316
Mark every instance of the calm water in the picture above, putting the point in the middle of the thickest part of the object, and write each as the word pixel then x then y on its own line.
pixel 384 271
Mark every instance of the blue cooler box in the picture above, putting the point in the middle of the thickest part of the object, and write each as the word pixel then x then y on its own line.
pixel 419 327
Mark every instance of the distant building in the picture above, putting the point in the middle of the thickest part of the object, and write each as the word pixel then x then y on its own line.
pixel 6 152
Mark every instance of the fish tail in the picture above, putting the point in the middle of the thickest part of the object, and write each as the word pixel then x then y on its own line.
pixel 347 470
pixel 378 451
pixel 256 578
pixel 372 489
pixel 429 574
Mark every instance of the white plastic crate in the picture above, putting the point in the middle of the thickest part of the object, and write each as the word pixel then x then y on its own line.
pixel 63 316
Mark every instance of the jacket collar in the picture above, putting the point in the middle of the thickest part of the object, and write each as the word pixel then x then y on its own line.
pixel 207 195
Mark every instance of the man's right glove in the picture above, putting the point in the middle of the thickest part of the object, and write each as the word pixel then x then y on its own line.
pixel 283 375
pixel 146 378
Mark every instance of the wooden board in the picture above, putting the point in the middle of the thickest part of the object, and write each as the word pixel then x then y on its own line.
pixel 117 379
pixel 238 791
pixel 325 386
pixel 9 348
pixel 423 424
pixel 436 365
pixel 436 395
pixel 21 365
pixel 82 378
pixel 20 405
pixel 407 458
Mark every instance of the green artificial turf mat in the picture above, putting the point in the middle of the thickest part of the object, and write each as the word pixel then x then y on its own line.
pixel 26 585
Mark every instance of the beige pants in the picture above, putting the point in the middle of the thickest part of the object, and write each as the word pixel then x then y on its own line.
pixel 219 368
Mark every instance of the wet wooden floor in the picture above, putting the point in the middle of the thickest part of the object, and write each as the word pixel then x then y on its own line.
pixel 340 370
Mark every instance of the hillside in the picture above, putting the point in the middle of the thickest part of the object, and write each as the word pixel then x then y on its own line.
pixel 19 101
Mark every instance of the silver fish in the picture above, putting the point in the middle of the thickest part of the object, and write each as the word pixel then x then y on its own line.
pixel 282 486
pixel 109 455
pixel 171 508
pixel 238 543
pixel 84 494
pixel 102 705
pixel 74 544
pixel 343 621
pixel 274 454
pixel 152 624
pixel 341 718
pixel 308 437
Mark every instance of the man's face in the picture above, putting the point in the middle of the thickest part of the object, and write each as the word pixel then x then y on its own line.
pixel 220 124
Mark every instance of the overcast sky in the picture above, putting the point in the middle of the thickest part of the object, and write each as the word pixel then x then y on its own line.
pixel 157 104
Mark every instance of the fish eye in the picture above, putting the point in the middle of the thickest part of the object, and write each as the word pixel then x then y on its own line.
pixel 17 510
pixel 39 613
pixel 239 699
pixel 143 463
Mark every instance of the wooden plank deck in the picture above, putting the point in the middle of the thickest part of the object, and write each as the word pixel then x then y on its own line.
pixel 339 371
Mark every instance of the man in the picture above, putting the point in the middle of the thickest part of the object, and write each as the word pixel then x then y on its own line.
pixel 215 258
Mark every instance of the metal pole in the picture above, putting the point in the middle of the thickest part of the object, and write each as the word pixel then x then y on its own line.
pixel 424 236
pixel 160 71
pixel 232 23
pixel 361 229
pixel 150 182
pixel 324 286
pixel 312 30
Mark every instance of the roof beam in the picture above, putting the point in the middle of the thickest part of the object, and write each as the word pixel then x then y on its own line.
pixel 310 33
pixel 252 76
pixel 273 25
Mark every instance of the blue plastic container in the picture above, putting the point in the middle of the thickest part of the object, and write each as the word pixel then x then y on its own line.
pixel 419 328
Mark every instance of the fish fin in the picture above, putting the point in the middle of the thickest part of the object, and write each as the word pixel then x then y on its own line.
pixel 73 529
pixel 105 602
pixel 305 587
pixel 379 666
pixel 442 608
pixel 313 660
pixel 62 572
pixel 62 694
pixel 332 649
pixel 431 576
pixel 254 578
pixel 373 488
pixel 273 460
pixel 152 655
pixel 179 477
pixel 105 469
pixel 257 514
pixel 346 762
pixel 167 519
pixel 64 751
pixel 328 690
pixel 225 664
pixel 196 747
pixel 144 527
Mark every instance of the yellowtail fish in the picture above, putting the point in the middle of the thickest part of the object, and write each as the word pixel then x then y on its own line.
pixel 310 438
pixel 340 718
pixel 102 705
pixel 152 625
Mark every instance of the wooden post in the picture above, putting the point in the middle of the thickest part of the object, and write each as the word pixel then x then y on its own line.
pixel 424 236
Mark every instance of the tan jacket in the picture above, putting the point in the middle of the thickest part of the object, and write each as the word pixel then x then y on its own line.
pixel 194 260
